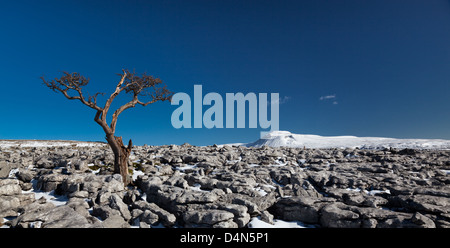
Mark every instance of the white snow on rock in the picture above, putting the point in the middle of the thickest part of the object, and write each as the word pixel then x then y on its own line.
pixel 48 143
pixel 288 139
pixel 256 222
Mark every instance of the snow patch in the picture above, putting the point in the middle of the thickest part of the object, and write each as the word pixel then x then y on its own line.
pixel 48 143
pixel 57 200
pixel 256 222
pixel 137 173
pixel 370 192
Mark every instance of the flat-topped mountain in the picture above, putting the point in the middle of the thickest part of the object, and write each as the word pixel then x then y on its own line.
pixel 287 139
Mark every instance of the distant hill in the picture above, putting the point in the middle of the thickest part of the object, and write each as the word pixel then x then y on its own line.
pixel 287 139
pixel 48 143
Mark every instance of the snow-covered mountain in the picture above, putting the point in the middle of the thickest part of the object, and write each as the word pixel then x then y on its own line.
pixel 287 139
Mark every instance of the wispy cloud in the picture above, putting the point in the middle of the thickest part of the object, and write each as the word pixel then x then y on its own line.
pixel 281 100
pixel 327 97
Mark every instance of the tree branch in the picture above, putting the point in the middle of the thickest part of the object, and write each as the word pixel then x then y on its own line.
pixel 130 104
pixel 102 122
pixel 113 95
pixel 74 82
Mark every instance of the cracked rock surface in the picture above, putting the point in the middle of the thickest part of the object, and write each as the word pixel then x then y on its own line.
pixel 224 187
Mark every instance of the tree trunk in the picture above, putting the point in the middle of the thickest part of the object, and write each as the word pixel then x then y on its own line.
pixel 121 155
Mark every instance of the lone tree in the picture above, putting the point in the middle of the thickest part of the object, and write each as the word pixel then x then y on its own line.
pixel 71 85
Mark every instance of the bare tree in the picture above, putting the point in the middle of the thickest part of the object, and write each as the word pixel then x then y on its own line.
pixel 71 85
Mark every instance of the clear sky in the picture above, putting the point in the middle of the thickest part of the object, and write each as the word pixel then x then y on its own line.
pixel 347 67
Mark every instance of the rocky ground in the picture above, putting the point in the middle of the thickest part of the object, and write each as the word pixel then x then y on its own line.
pixel 214 186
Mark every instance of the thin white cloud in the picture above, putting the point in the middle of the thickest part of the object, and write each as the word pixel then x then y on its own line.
pixel 284 99
pixel 332 99
pixel 327 97
pixel 281 100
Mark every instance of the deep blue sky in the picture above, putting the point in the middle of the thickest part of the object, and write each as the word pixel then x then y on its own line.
pixel 384 64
